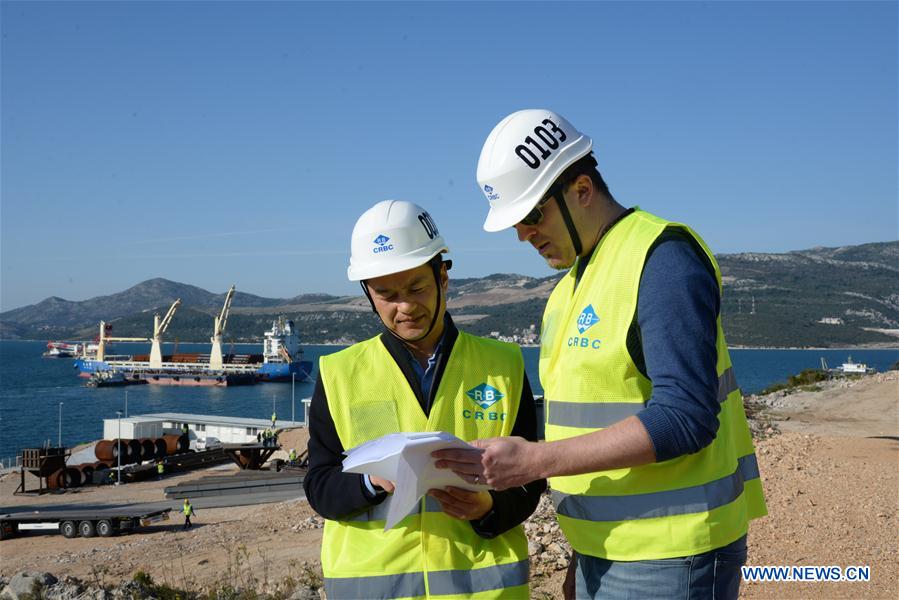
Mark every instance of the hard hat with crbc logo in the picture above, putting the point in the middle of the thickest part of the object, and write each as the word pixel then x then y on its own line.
pixel 522 157
pixel 390 237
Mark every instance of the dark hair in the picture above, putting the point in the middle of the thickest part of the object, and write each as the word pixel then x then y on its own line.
pixel 586 165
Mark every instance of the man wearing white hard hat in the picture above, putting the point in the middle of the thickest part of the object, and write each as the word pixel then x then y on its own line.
pixel 648 452
pixel 420 374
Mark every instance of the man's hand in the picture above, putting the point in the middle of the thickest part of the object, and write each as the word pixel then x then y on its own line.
pixel 384 484
pixel 462 504
pixel 501 463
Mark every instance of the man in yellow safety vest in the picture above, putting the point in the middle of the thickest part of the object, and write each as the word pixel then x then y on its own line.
pixel 420 374
pixel 188 510
pixel 648 451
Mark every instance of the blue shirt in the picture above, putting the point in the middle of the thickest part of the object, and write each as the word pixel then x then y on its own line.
pixel 674 345
pixel 426 374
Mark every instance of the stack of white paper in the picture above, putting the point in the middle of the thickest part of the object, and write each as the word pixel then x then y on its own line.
pixel 405 459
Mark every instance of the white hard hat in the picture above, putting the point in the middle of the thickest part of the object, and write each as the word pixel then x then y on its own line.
pixel 521 159
pixel 390 237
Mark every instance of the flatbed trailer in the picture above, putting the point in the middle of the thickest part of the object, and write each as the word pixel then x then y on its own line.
pixel 73 521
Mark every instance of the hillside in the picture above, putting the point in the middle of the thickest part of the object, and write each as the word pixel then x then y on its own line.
pixel 816 297
pixel 822 296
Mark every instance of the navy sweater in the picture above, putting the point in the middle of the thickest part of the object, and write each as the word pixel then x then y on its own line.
pixel 673 344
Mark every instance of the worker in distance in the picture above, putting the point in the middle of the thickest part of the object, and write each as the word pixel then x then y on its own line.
pixel 420 374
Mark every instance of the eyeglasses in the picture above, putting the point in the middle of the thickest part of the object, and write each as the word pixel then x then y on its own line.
pixel 536 215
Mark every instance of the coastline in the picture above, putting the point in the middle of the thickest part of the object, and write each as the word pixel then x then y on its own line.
pixel 871 346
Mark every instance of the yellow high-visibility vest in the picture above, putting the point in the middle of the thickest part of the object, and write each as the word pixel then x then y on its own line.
pixel 428 553
pixel 679 507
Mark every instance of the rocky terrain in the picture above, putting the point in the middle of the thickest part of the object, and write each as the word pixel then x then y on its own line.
pixel 828 460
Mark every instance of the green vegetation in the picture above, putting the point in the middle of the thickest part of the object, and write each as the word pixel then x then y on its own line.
pixel 240 582
pixel 804 381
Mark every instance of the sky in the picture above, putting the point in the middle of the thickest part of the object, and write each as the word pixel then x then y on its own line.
pixel 213 143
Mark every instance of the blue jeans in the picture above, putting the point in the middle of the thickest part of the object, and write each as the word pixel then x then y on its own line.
pixel 714 574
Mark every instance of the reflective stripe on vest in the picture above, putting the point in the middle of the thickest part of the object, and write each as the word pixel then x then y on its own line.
pixel 441 583
pixel 603 414
pixel 472 581
pixel 402 585
pixel 592 416
pixel 700 498
pixel 727 383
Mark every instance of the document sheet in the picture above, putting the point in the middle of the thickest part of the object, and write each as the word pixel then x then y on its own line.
pixel 405 459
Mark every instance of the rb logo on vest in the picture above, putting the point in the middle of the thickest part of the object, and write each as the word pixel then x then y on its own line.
pixel 484 396
pixel 587 319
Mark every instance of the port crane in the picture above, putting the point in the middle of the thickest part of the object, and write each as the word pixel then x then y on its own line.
pixel 101 342
pixel 216 360
pixel 159 327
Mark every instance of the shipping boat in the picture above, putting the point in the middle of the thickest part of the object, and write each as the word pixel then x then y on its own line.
pixel 62 350
pixel 282 355
pixel 281 359
pixel 848 368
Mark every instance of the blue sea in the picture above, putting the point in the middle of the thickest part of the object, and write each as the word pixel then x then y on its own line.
pixel 32 387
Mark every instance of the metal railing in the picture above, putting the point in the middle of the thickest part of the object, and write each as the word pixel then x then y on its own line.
pixel 176 368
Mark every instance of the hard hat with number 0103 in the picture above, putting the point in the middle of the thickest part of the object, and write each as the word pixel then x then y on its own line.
pixel 521 159
pixel 390 237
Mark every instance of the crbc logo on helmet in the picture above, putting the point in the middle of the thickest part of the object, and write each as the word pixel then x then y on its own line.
pixel 552 137
pixel 382 245
pixel 490 195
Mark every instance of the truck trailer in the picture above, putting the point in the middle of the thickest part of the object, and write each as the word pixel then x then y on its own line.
pixel 72 521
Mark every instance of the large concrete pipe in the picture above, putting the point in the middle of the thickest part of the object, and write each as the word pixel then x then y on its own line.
pixel 121 445
pixel 147 449
pixel 106 450
pixel 56 479
pixel 72 477
pixel 176 444
pixel 135 450
pixel 161 448
pixel 87 472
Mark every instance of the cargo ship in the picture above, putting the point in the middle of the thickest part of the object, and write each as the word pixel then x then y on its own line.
pixel 281 359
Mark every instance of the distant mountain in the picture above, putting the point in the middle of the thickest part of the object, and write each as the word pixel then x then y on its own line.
pixel 821 296
pixel 56 317
pixel 816 297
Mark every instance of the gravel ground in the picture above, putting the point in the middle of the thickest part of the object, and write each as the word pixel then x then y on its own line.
pixel 828 460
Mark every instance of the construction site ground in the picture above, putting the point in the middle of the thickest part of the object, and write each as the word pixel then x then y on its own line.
pixel 829 463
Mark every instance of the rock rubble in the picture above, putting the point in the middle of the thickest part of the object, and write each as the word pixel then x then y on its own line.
pixel 547 547
pixel 29 585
